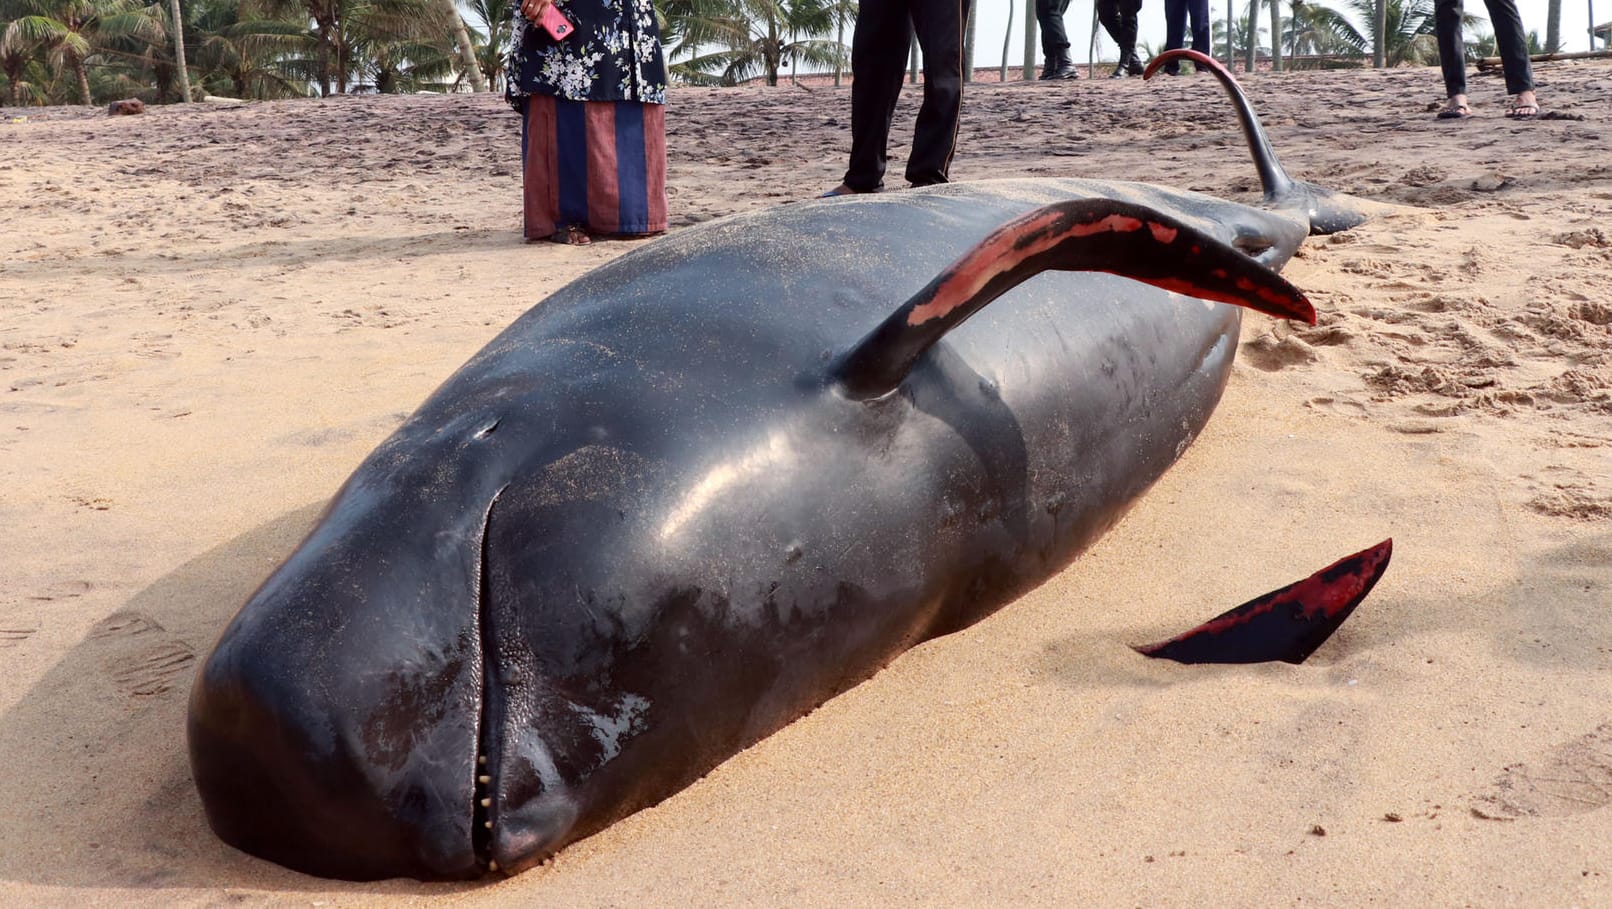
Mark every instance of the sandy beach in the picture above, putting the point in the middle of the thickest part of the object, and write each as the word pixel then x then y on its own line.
pixel 210 313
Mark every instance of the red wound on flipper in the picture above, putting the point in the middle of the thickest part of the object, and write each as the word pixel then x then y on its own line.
pixel 1287 624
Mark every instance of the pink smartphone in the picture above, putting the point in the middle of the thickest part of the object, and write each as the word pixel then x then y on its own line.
pixel 555 23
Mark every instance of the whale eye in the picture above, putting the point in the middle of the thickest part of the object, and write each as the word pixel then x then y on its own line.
pixel 487 430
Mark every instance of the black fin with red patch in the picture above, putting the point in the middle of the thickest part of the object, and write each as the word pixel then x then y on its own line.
pixel 1287 624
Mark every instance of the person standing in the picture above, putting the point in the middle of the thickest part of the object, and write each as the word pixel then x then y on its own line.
pixel 1119 20
pixel 1513 47
pixel 879 48
pixel 1055 40
pixel 1176 15
pixel 593 127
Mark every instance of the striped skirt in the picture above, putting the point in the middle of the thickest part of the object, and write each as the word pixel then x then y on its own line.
pixel 595 164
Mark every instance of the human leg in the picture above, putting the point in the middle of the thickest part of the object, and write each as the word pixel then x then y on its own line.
pixel 1512 44
pixel 1198 12
pixel 1175 30
pixel 1054 38
pixel 939 26
pixel 878 63
pixel 1451 50
pixel 1126 39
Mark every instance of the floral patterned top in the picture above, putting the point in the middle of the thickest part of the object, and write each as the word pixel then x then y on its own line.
pixel 614 55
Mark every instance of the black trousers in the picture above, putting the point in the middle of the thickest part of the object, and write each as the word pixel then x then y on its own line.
pixel 1054 39
pixel 884 32
pixel 1119 20
pixel 1508 35
pixel 1176 14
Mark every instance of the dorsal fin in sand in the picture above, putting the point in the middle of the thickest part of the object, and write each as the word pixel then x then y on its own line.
pixel 1328 212
pixel 1100 235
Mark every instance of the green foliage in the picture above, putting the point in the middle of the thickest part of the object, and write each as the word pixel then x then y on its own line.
pixel 724 42
pixel 91 51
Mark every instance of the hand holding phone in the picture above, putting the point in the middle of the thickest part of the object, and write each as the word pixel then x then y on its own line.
pixel 555 23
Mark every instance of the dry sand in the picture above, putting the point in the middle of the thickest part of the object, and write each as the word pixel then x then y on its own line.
pixel 210 314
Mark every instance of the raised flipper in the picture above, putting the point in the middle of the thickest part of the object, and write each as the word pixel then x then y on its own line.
pixel 1102 235
pixel 1287 624
pixel 1328 212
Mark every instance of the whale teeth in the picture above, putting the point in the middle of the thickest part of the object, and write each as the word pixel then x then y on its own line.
pixel 486 803
pixel 487 824
pixel 484 779
pixel 492 865
pixel 482 760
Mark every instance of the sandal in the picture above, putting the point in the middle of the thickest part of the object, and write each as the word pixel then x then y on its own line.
pixel 1458 112
pixel 571 235
pixel 1523 112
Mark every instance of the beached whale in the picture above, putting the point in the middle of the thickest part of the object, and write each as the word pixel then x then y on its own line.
pixel 706 487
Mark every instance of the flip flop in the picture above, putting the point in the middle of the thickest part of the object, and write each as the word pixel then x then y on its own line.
pixel 1460 112
pixel 1523 112
pixel 571 235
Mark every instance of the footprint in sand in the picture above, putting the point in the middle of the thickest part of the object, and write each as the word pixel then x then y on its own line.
pixel 1271 354
pixel 1574 778
pixel 141 657
pixel 12 637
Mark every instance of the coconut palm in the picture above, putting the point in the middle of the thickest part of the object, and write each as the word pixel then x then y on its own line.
pixel 339 26
pixel 751 37
pixel 252 57
pixel 490 27
pixel 1408 33
pixel 71 32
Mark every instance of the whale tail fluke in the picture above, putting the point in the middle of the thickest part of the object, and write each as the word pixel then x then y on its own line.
pixel 1287 624
pixel 1328 212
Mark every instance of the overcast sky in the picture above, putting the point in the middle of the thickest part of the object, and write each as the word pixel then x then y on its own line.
pixel 993 17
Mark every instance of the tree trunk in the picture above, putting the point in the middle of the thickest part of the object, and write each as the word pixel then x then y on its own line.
pixel 839 57
pixel 1276 36
pixel 467 51
pixel 1007 39
pixel 179 50
pixel 912 62
pixel 1379 51
pixel 968 44
pixel 1251 51
pixel 1231 33
pixel 323 33
pixel 1029 39
pixel 83 74
pixel 1553 26
pixel 341 58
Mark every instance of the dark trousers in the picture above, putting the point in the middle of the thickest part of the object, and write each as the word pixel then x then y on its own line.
pixel 1054 40
pixel 1508 35
pixel 1119 20
pixel 1176 13
pixel 884 32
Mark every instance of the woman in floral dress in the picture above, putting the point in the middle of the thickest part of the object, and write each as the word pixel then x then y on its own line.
pixel 593 134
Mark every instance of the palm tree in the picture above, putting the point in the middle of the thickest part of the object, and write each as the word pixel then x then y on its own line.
pixel 252 57
pixel 751 37
pixel 340 25
pixel 71 32
pixel 1407 36
pixel 495 25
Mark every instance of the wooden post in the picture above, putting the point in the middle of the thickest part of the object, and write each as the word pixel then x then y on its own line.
pixel 1030 50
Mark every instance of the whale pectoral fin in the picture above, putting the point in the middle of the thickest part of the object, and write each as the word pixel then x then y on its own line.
pixel 1101 235
pixel 1287 624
